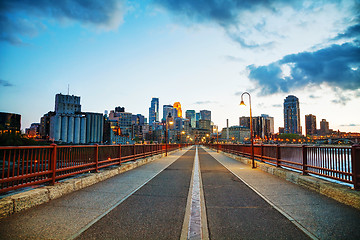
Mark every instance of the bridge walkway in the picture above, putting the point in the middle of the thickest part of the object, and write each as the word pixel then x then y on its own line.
pixel 151 202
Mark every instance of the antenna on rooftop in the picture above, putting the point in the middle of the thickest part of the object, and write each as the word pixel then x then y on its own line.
pixel 68 89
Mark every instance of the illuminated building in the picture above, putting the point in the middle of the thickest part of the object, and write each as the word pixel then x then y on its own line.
pixel 113 134
pixel 191 115
pixel 292 115
pixel 10 122
pixel 169 109
pixel 271 128
pixel 177 106
pixel 33 130
pixel 124 120
pixel 205 124
pixel 310 124
pixel 205 115
pixel 236 134
pixel 261 125
pixel 324 127
pixel 154 111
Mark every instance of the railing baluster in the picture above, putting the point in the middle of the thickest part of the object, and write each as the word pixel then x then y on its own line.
pixel 53 163
pixel 96 157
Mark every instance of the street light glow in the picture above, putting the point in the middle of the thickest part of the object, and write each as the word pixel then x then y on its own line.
pixel 251 127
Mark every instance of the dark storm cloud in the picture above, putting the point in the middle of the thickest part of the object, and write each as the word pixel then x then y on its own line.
pixel 223 12
pixel 337 65
pixel 226 14
pixel 5 83
pixel 22 17
pixel 351 32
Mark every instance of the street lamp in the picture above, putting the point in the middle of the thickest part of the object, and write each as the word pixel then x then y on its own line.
pixel 166 136
pixel 251 128
pixel 181 137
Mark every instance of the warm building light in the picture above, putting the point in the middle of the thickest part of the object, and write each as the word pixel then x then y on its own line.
pixel 177 106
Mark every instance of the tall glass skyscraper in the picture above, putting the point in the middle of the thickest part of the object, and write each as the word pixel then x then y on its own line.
pixel 190 114
pixel 154 111
pixel 169 109
pixel 310 124
pixel 205 115
pixel 292 115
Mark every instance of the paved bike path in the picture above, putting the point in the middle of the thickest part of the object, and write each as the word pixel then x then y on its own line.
pixel 234 211
pixel 155 211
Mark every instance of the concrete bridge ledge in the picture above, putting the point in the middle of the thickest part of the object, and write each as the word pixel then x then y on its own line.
pixel 338 192
pixel 25 200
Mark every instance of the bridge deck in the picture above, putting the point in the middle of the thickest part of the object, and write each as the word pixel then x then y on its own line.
pixel 149 202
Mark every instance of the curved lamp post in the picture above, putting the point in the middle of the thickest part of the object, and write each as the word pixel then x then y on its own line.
pixel 251 128
pixel 166 136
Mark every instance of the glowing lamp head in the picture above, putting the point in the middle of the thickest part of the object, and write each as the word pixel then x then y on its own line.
pixel 242 103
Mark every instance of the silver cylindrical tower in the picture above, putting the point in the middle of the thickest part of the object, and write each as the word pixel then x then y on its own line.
pixel 77 130
pixel 70 134
pixel 88 128
pixel 57 127
pixel 64 127
pixel 83 130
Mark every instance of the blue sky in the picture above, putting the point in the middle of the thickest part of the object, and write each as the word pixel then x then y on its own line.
pixel 202 53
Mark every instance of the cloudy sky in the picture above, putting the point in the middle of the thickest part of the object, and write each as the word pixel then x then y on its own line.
pixel 203 53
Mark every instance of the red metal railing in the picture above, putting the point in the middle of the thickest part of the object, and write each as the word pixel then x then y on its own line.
pixel 27 166
pixel 338 163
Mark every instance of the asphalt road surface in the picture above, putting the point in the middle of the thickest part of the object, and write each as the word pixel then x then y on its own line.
pixel 234 211
pixel 155 211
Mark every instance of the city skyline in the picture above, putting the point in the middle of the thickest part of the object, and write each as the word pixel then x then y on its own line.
pixel 124 53
pixel 75 106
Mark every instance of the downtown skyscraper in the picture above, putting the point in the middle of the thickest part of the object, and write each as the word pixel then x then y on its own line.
pixel 154 111
pixel 310 124
pixel 292 115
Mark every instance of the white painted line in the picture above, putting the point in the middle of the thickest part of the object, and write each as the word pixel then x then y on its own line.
pixel 195 212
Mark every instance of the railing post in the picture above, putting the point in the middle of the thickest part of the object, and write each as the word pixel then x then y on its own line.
pixel 134 152
pixel 120 154
pixel 144 152
pixel 96 157
pixel 304 160
pixel 277 155
pixel 53 163
pixel 262 152
pixel 355 163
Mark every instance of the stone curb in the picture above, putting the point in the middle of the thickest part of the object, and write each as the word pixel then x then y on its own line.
pixel 338 192
pixel 25 200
